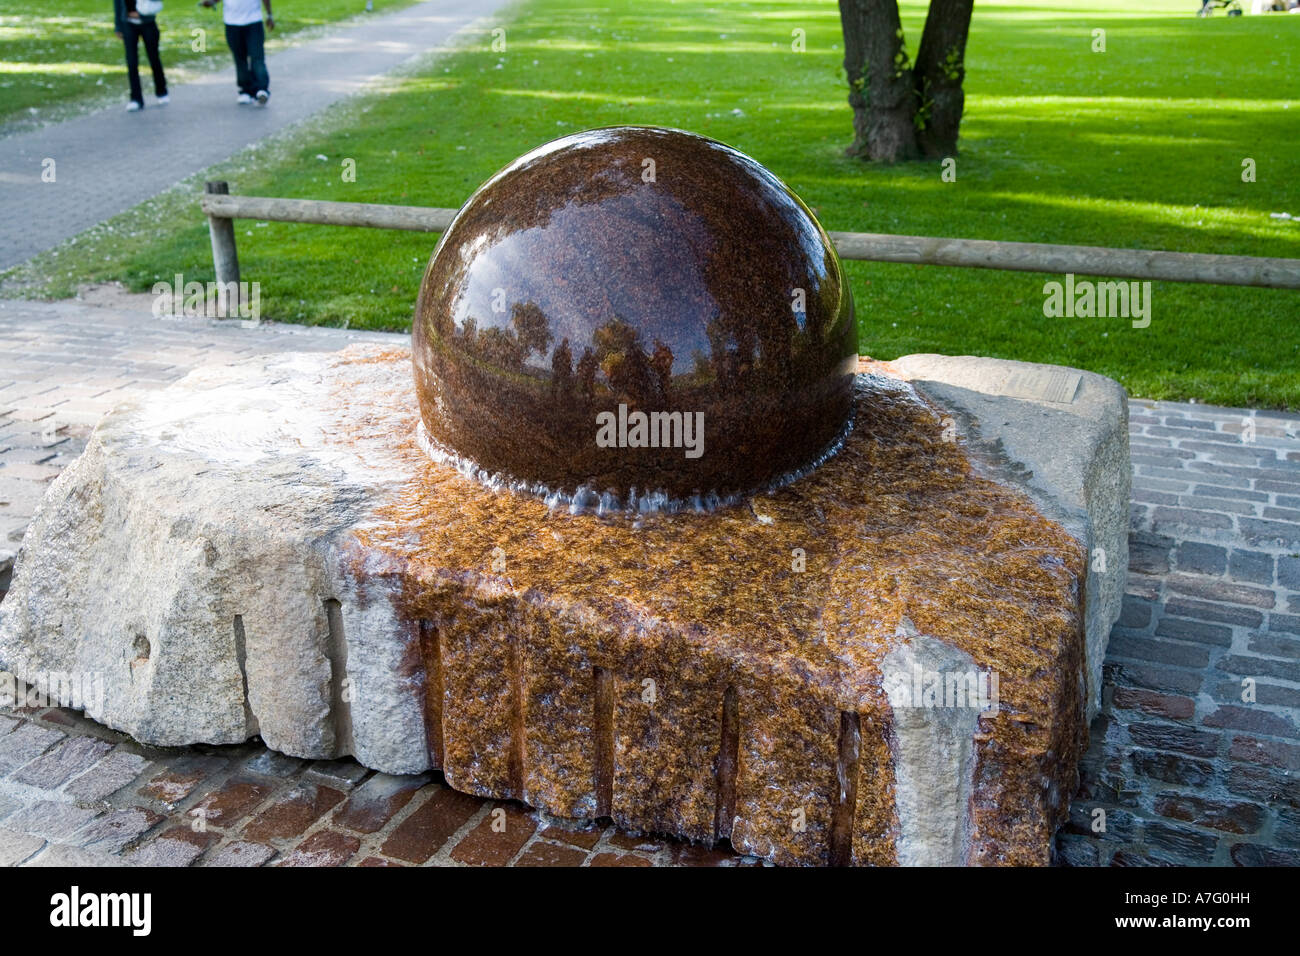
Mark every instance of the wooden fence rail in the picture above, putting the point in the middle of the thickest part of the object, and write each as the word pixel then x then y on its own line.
pixel 1156 265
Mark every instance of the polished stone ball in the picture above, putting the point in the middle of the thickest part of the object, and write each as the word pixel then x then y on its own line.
pixel 639 314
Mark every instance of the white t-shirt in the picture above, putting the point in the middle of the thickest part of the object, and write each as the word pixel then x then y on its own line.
pixel 240 13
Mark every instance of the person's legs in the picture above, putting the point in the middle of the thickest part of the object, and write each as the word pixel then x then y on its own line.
pixel 131 39
pixel 149 30
pixel 261 80
pixel 235 39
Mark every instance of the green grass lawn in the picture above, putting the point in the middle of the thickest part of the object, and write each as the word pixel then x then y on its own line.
pixel 1140 146
pixel 57 54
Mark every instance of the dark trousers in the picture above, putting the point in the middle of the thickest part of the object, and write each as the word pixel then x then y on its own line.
pixel 246 44
pixel 132 34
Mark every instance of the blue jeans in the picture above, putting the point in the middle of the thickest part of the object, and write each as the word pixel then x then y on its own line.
pixel 132 34
pixel 246 46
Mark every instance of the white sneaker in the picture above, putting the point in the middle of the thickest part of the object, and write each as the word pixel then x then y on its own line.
pixel 163 100
pixel 133 107
pixel 244 99
pixel 262 97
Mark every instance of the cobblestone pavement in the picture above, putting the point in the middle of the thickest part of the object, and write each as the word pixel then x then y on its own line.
pixel 1184 769
pixel 143 153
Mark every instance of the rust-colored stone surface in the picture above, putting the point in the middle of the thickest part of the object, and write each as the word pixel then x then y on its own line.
pixel 634 271
pixel 719 675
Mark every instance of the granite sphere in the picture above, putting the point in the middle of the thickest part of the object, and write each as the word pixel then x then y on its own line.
pixel 637 313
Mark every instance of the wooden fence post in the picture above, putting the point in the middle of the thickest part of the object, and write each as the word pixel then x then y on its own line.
pixel 225 258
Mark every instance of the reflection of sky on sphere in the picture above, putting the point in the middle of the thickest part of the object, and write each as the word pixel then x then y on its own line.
pixel 633 286
pixel 657 279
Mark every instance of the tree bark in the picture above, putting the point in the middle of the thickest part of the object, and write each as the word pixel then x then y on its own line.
pixel 939 74
pixel 880 81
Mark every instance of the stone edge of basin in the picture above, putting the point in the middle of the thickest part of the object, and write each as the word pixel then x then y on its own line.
pixel 1009 413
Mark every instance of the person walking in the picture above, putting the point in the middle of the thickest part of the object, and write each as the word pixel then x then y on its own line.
pixel 247 40
pixel 132 27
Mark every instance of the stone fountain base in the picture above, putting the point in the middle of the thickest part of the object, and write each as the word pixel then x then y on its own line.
pixel 263 549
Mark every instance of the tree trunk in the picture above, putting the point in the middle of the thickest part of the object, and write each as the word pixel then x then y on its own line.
pixel 880 81
pixel 939 74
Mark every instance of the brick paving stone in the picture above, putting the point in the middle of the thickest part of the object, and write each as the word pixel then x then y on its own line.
pixel 619 859
pixel 1255 720
pixel 172 785
pixel 106 777
pixel 1181 841
pixel 241 853
pixel 51 819
pixel 293 813
pixel 1288 571
pixel 115 829
pixel 1166 520
pixel 323 848
pixel 1214 590
pixel 233 800
pixel 376 861
pixel 25 471
pixel 1255 567
pixel 1219 491
pixel 337 773
pixel 1076 851
pixel 1263 533
pixel 1152 702
pixel 179 846
pixel 1198 743
pixel 181 776
pixel 1286 623
pixel 1269 786
pixel 1135 613
pixel 75 858
pixel 1199 558
pixel 548 854
pixel 1130 858
pixel 496 839
pixel 25 456
pixel 1269 753
pixel 1172 768
pixel 15 846
pixel 369 807
pixel 30 413
pixel 1252 854
pixel 690 854
pixel 1215 613
pixel 1124 645
pixel 627 841
pixel 584 838
pixel 24 744
pixel 430 825
pixel 1230 815
pixel 1119 823
pixel 1268 695
pixel 1150 553
pixel 1197 631
pixel 272 764
pixel 69 758
pixel 1275 645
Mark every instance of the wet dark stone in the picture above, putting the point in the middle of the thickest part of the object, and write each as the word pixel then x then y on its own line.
pixel 635 270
